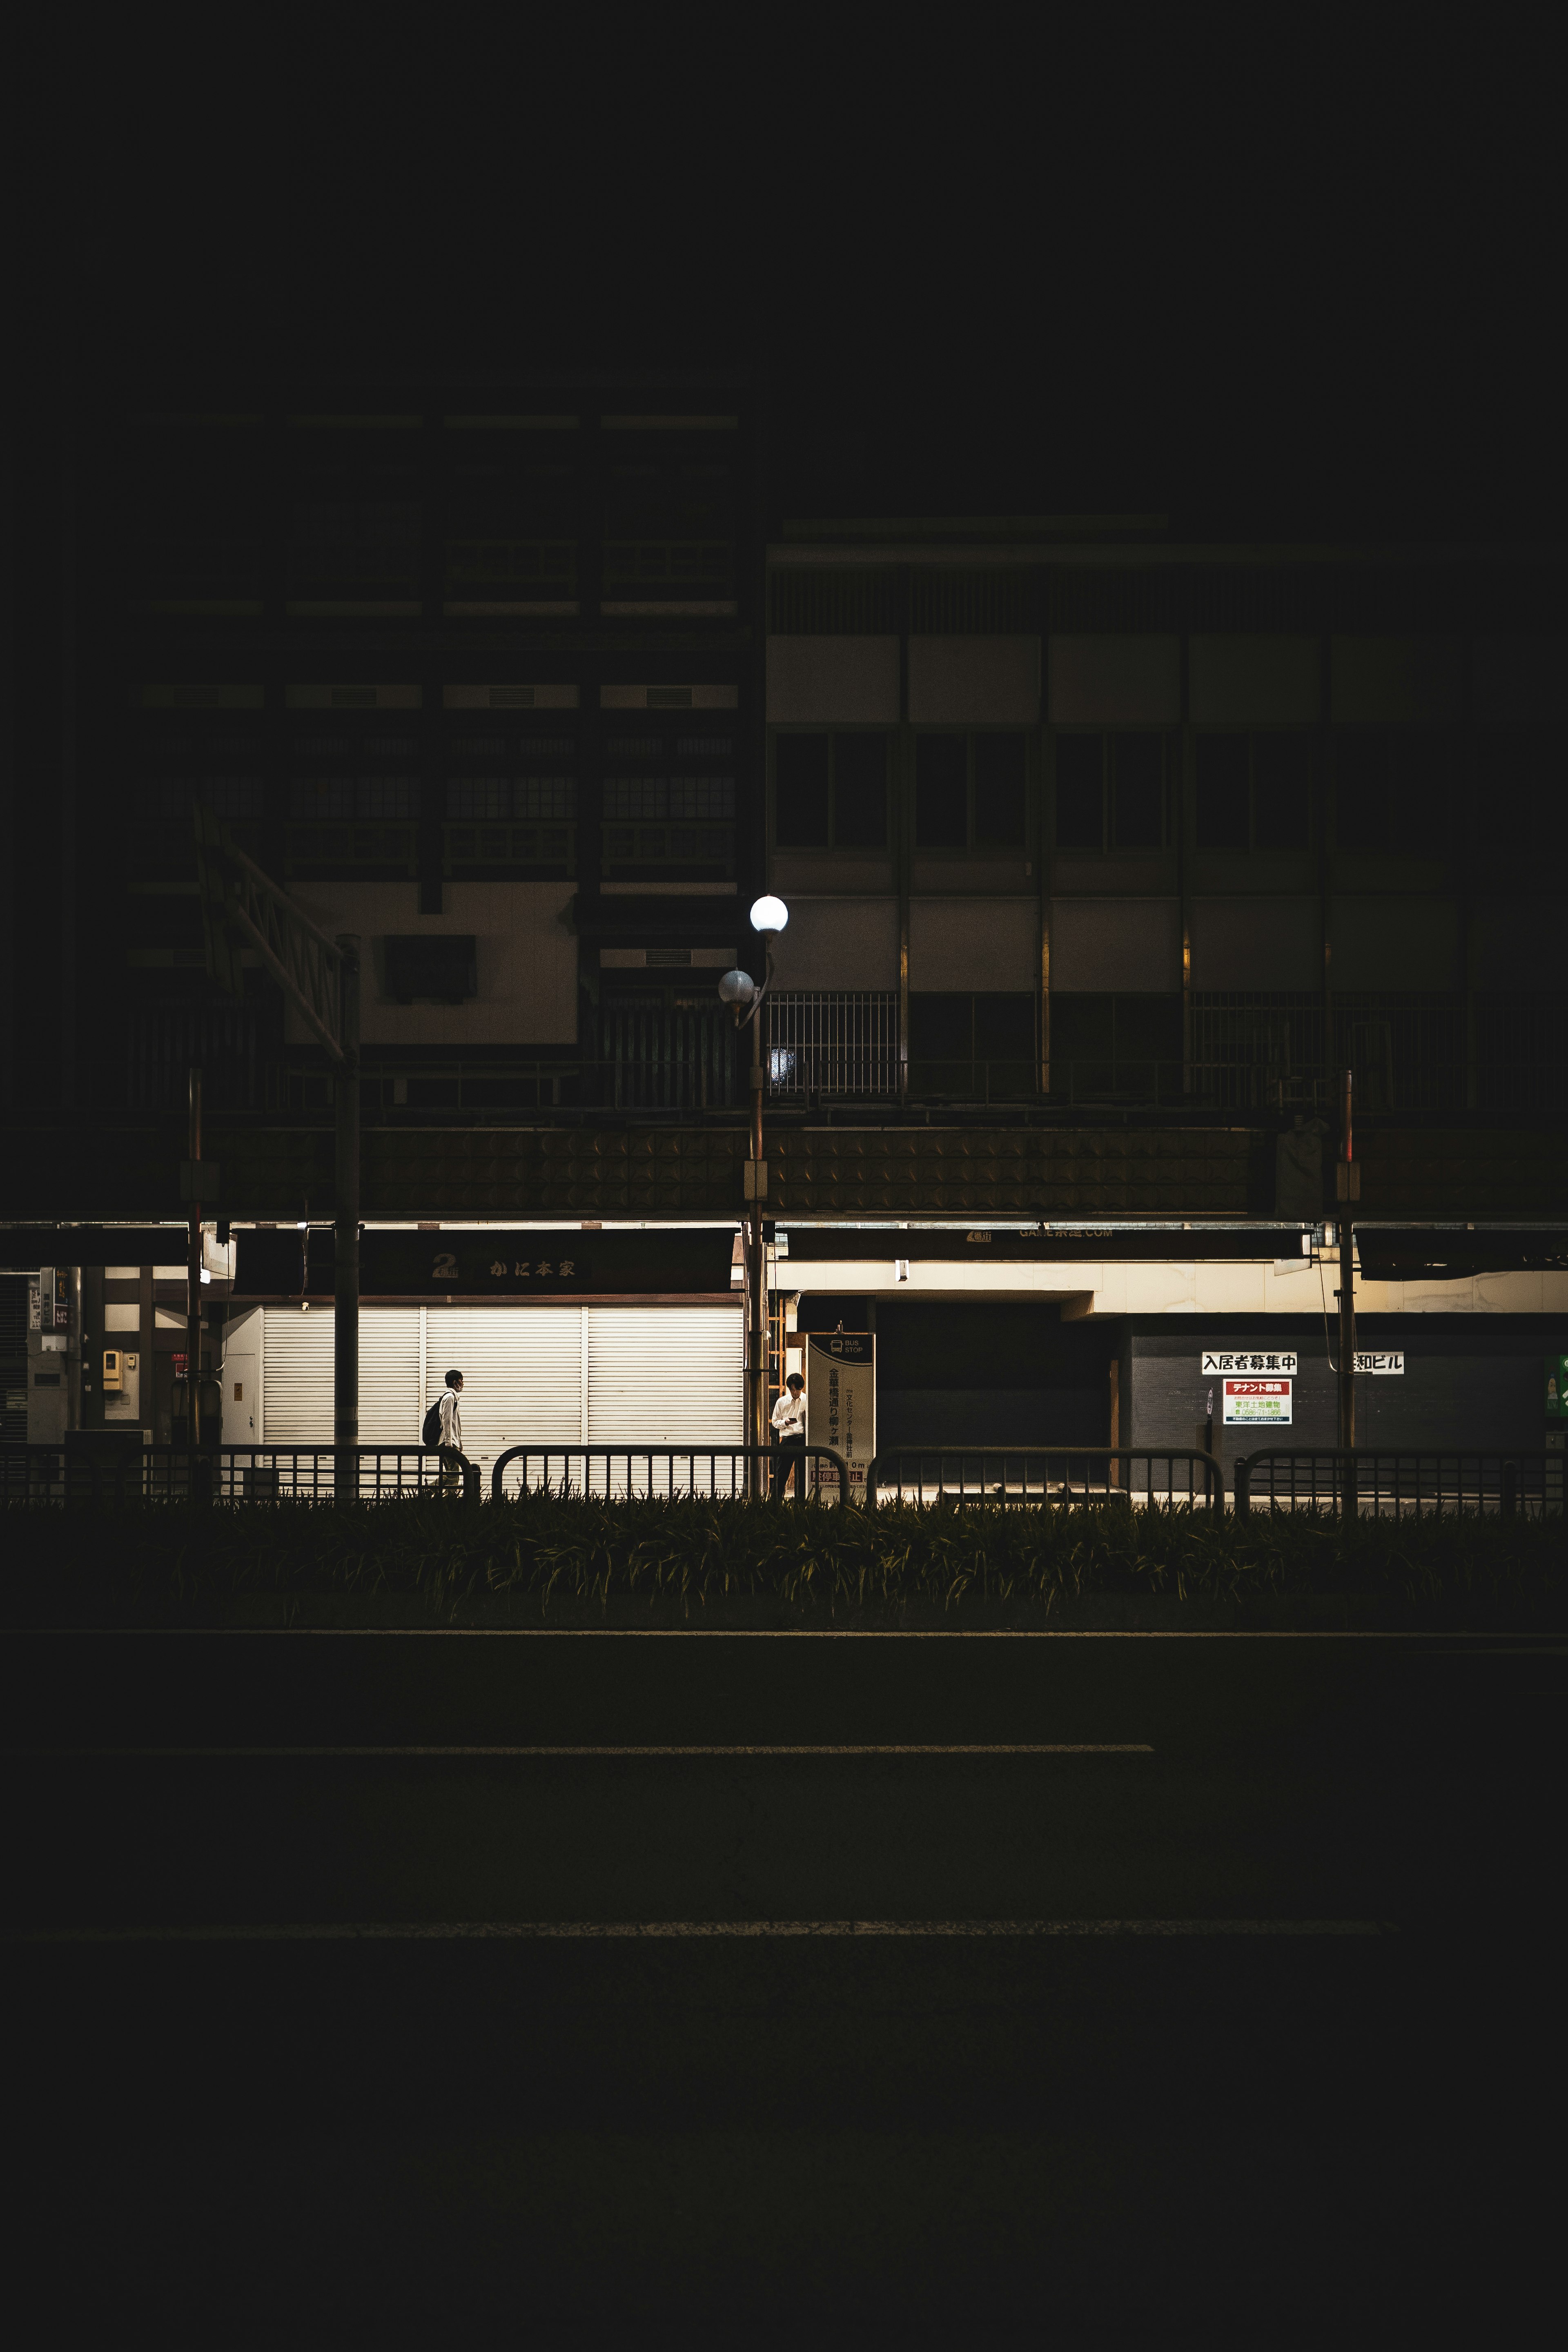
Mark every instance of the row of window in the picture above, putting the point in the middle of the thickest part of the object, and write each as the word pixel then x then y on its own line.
pixel 351 750
pixel 507 531
pixel 1113 790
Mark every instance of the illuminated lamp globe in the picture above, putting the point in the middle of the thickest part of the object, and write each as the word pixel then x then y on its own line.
pixel 737 988
pixel 769 915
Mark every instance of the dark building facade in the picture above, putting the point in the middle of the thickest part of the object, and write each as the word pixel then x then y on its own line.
pixel 1104 851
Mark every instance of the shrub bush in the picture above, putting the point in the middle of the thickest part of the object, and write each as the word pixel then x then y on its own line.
pixel 163 1563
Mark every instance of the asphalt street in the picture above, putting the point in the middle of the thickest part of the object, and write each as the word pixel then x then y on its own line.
pixel 580 1976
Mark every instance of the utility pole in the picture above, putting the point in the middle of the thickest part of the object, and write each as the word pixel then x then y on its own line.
pixel 1348 1189
pixel 345 1274
pixel 757 1271
pixel 242 906
pixel 193 1273
pixel 745 998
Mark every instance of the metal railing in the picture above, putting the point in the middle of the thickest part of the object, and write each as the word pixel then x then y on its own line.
pixel 1071 1475
pixel 227 1473
pixel 696 1482
pixel 833 1042
pixel 1386 1482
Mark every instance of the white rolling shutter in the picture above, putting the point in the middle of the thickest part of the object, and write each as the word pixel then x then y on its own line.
pixel 389 1406
pixel 298 1397
pixel 300 1355
pixel 522 1373
pixel 666 1376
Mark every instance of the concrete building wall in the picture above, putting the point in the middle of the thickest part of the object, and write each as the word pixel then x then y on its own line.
pixel 1133 944
pixel 526 961
pixel 978 681
pixel 1114 681
pixel 964 943
pixel 833 681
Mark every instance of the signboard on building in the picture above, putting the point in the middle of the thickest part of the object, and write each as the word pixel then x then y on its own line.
pixel 1248 1401
pixel 496 1262
pixel 1277 1363
pixel 1380 1361
pixel 1557 1388
pixel 841 1405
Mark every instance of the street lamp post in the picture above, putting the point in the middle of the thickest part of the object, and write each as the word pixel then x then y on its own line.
pixel 741 992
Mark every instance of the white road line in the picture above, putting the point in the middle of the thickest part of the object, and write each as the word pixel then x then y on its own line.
pixel 1042 1747
pixel 678 1930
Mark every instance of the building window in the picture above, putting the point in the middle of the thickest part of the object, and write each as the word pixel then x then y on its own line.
pixel 512 522
pixel 970 792
pixel 220 770
pixel 354 800
pixel 1116 1048
pixel 670 531
pixel 511 803
pixel 670 804
pixel 1391 790
pixel 1113 791
pixel 442 967
pixel 1521 790
pixel 1254 792
pixel 973 1048
pixel 830 791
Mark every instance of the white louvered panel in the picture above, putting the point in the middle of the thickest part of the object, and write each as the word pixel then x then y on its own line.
pixel 298 1398
pixel 389 1406
pixel 666 1376
pixel 522 1373
pixel 300 1354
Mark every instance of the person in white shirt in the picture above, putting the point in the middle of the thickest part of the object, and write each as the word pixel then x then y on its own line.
pixel 789 1422
pixel 454 1460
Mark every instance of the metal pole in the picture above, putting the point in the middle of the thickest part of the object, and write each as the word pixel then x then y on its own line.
pixel 345 1287
pixel 1347 1298
pixel 756 1278
pixel 194 1278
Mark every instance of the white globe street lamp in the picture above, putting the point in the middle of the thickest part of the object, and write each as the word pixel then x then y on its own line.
pixel 745 998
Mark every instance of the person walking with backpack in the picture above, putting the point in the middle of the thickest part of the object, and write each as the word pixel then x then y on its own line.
pixel 443 1429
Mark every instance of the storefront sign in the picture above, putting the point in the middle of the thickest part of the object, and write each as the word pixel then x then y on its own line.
pixel 841 1405
pixel 1280 1361
pixel 1258 1401
pixel 1371 1360
pixel 496 1264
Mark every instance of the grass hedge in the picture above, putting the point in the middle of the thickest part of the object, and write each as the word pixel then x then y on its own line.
pixel 166 1563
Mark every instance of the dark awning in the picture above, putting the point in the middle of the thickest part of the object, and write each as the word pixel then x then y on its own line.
pixel 1426 1253
pixel 493 1263
pixel 23 1247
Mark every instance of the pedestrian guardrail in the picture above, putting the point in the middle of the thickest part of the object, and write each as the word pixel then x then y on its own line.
pixel 1384 1482
pixel 224 1474
pixel 709 1469
pixel 1047 1473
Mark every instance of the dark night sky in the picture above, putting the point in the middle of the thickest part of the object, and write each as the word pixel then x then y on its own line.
pixel 1305 289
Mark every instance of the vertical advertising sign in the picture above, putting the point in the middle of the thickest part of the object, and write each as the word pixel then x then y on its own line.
pixel 841 1405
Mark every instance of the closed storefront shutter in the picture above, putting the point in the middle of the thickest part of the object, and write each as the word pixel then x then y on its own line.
pixel 299 1381
pixel 297 1405
pixel 666 1376
pixel 534 1375
pixel 522 1373
pixel 389 1407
